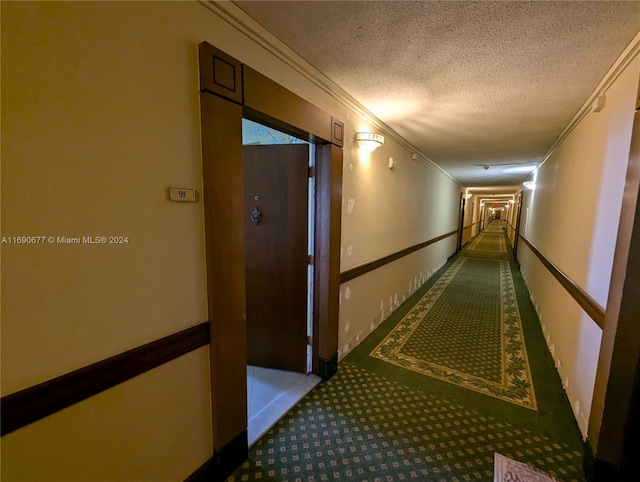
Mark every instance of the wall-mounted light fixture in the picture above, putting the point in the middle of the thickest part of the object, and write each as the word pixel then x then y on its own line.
pixel 367 141
pixel 529 185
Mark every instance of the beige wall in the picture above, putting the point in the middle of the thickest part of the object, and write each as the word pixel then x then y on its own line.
pixel 100 115
pixel 572 218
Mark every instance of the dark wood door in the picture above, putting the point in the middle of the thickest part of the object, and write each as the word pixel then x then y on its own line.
pixel 277 184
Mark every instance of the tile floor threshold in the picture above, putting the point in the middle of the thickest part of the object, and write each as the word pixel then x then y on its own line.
pixel 271 394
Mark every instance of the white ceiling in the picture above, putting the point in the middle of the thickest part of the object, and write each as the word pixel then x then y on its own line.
pixel 470 84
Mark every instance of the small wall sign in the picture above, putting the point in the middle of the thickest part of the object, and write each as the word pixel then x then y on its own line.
pixel 182 194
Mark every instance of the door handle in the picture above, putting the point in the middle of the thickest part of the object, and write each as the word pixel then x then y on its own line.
pixel 256 215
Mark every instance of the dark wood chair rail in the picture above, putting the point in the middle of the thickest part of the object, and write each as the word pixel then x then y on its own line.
pixel 365 268
pixel 588 304
pixel 36 402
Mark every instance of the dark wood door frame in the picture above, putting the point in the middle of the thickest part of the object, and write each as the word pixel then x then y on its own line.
pixel 516 235
pixel 230 91
pixel 461 224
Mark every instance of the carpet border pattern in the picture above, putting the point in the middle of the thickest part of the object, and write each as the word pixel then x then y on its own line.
pixel 517 383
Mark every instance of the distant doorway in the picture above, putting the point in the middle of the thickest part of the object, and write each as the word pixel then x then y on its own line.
pixel 461 220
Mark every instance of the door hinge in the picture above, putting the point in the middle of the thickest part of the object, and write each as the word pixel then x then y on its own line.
pixel 309 340
pixel 310 259
pixel 312 171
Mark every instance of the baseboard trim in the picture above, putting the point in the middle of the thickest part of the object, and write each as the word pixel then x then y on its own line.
pixel 39 401
pixel 224 462
pixel 328 367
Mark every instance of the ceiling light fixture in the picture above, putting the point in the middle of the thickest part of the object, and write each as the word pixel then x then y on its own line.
pixel 368 141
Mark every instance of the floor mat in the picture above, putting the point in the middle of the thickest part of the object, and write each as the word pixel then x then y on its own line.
pixel 509 470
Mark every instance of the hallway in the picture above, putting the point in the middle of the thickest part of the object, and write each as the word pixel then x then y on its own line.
pixel 124 208
pixel 458 373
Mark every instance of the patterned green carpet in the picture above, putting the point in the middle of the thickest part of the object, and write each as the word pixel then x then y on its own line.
pixel 466 330
pixel 380 419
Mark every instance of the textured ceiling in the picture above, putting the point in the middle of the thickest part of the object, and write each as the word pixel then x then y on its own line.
pixel 470 84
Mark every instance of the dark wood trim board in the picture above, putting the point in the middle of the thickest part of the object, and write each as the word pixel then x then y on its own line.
pixel 36 402
pixel 588 304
